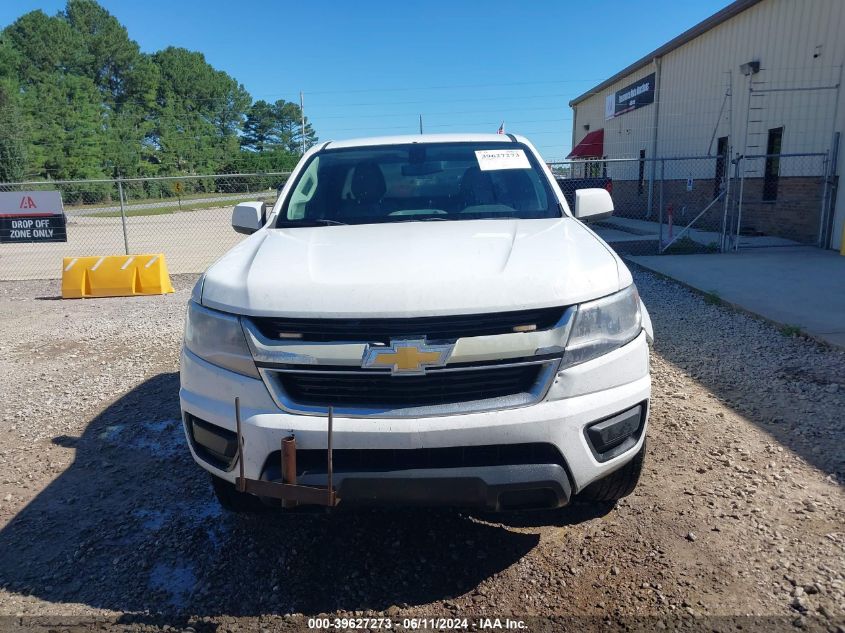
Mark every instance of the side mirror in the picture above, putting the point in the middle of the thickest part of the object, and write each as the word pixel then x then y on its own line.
pixel 593 204
pixel 248 217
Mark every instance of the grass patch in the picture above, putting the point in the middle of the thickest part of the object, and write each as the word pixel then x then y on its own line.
pixel 688 246
pixel 131 213
pixel 791 330
pixel 712 297
pixel 186 198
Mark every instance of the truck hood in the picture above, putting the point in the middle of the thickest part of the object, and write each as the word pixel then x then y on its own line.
pixel 412 269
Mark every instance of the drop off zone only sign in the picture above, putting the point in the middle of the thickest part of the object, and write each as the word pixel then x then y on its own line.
pixel 32 216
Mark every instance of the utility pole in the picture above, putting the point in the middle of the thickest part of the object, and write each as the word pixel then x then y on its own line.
pixel 421 124
pixel 302 114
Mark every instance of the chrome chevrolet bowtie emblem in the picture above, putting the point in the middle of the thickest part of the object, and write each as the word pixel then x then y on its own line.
pixel 406 358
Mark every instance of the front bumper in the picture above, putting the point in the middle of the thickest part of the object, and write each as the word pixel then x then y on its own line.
pixel 488 487
pixel 584 394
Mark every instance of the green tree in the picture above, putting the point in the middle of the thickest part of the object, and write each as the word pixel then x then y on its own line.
pixel 111 60
pixel 276 126
pixel 81 100
pixel 12 150
pixel 68 141
pixel 45 45
pixel 261 130
pixel 290 122
pixel 199 113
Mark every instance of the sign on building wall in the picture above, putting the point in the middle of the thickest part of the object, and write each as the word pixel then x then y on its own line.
pixel 638 94
pixel 32 216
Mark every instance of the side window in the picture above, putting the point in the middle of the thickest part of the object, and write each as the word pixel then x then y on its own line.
pixel 771 175
pixel 641 173
pixel 305 188
pixel 721 164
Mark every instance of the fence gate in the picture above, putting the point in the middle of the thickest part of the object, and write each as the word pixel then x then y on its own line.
pixel 778 200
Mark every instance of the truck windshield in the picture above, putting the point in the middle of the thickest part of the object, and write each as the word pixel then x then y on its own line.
pixel 419 182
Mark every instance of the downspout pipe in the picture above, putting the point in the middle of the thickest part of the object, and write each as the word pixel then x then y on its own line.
pixel 657 61
pixel 574 124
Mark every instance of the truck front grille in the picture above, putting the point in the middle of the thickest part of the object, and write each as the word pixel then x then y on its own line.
pixel 432 328
pixel 374 391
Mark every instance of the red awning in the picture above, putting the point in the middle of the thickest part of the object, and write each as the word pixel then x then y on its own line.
pixel 591 146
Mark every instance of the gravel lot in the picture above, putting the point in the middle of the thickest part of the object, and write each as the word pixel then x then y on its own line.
pixel 103 514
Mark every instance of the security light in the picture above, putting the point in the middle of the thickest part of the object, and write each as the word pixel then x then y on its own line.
pixel 750 68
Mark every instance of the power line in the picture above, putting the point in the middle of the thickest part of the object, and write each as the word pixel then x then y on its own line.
pixel 442 113
pixel 462 100
pixel 449 125
pixel 450 86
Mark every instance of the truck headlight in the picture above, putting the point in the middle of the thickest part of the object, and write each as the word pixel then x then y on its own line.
pixel 217 337
pixel 196 291
pixel 603 325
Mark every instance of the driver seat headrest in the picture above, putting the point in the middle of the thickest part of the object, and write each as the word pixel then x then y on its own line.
pixel 368 183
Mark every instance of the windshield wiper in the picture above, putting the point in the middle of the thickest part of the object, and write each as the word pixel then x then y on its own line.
pixel 312 222
pixel 426 219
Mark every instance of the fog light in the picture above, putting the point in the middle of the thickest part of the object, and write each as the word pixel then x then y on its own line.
pixel 614 436
pixel 216 445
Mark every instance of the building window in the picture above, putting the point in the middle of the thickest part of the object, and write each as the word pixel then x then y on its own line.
pixel 772 171
pixel 721 162
pixel 641 174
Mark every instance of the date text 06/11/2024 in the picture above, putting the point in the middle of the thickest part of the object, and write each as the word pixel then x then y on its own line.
pixel 417 624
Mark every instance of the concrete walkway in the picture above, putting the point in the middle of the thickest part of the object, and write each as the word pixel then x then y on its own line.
pixel 802 287
pixel 619 229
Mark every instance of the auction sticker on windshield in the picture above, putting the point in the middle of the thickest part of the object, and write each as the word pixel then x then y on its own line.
pixel 493 159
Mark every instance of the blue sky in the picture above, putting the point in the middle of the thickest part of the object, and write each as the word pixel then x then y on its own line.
pixel 371 68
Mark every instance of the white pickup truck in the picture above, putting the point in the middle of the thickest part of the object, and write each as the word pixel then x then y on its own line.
pixel 418 320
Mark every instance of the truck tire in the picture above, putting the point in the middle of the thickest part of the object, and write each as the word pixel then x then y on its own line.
pixel 234 501
pixel 620 483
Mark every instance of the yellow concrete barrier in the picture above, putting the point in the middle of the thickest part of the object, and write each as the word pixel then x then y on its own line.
pixel 115 276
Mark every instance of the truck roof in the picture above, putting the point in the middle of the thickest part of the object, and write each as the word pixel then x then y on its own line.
pixel 425 138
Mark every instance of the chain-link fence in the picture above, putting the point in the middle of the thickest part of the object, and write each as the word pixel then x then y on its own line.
pixel 188 218
pixel 698 204
pixel 779 200
pixel 708 204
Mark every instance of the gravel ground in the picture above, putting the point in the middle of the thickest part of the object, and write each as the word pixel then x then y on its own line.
pixel 104 515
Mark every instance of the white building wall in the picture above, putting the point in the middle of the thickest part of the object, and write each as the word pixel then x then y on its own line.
pixel 801 49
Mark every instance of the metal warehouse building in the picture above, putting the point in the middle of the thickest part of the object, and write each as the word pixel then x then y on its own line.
pixel 730 131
